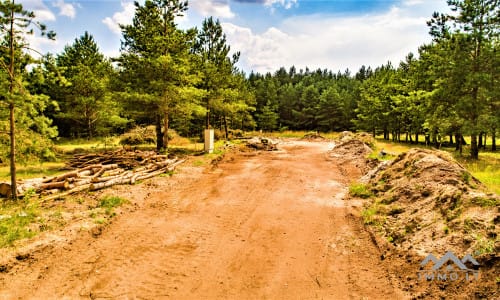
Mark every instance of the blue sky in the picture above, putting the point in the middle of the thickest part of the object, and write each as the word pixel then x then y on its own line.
pixel 332 34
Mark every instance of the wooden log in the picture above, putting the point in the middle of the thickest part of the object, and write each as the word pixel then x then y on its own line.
pixel 5 189
pixel 153 174
pixel 69 192
pixel 29 184
pixel 53 185
pixel 168 168
pixel 61 177
pixel 113 172
pixel 103 169
pixel 101 185
pixel 81 182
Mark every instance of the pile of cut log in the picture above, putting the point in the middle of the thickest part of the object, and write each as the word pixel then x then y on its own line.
pixel 97 171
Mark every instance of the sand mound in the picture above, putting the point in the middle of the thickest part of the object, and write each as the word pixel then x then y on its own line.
pixel 353 153
pixel 351 148
pixel 426 202
pixel 313 136
pixel 429 192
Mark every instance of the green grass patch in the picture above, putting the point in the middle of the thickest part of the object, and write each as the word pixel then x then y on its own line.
pixel 16 222
pixel 27 172
pixel 69 145
pixel 484 245
pixel 486 202
pixel 110 202
pixel 486 169
pixel 360 190
pixel 370 215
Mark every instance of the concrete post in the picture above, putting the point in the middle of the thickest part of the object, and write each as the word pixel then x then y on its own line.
pixel 209 140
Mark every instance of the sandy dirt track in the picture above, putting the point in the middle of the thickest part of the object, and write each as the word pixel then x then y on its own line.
pixel 267 225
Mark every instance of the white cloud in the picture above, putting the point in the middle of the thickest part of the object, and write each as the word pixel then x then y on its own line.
pixel 412 2
pixel 333 42
pixel 123 17
pixel 40 45
pixel 215 8
pixel 42 12
pixel 65 9
pixel 285 3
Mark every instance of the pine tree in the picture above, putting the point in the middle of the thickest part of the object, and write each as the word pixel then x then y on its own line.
pixel 156 66
pixel 15 22
pixel 463 39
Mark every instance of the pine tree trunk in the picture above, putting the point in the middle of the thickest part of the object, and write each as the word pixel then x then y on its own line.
pixel 165 130
pixel 159 136
pixel 474 150
pixel 12 117
pixel 493 140
pixel 13 171
pixel 451 139
pixel 480 142
pixel 225 127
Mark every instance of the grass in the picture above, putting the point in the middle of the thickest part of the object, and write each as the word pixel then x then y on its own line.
pixel 68 145
pixel 484 245
pixel 486 169
pixel 360 190
pixel 16 221
pixel 27 172
pixel 373 216
pixel 110 202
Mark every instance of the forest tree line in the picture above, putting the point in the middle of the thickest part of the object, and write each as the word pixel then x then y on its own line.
pixel 187 80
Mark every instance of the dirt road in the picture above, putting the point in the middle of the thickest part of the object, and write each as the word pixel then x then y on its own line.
pixel 270 225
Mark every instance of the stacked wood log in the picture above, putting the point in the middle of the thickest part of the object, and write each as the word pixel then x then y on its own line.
pixel 97 171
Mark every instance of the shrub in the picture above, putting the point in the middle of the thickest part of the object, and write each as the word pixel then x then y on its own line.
pixel 138 136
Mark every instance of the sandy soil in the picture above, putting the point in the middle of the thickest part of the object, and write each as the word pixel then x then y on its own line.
pixel 261 225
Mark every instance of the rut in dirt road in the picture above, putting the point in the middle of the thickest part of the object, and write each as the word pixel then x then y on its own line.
pixel 268 225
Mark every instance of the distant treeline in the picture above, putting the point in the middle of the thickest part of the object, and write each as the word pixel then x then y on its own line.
pixel 188 81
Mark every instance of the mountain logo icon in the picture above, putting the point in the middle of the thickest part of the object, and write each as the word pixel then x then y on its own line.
pixel 449 257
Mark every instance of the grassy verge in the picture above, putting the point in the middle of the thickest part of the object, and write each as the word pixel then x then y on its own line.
pixel 27 218
pixel 26 172
pixel 486 169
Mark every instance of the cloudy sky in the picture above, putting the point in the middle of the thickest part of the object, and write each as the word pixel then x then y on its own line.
pixel 332 34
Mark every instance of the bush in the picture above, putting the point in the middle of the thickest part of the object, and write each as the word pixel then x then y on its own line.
pixel 219 134
pixel 138 136
pixel 235 133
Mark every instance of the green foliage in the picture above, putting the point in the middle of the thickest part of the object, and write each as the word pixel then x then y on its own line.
pixel 110 202
pixel 158 75
pixel 86 107
pixel 370 215
pixel 360 190
pixel 227 98
pixel 268 118
pixel 15 222
pixel 484 245
pixel 446 230
pixel 486 201
pixel 139 136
